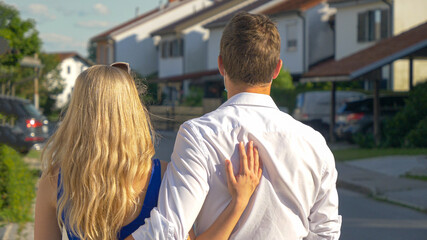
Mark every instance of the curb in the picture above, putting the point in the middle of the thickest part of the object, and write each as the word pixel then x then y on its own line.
pixel 356 187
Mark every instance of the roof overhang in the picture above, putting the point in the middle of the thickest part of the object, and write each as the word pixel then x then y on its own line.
pixel 410 44
pixel 349 3
pixel 342 78
pixel 188 76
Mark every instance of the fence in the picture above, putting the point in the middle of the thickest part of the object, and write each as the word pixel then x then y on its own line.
pixel 171 117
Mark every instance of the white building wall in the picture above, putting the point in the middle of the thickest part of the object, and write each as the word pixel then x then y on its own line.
pixel 76 67
pixel 135 44
pixel 213 47
pixel 195 49
pixel 320 34
pixel 292 59
pixel 346 28
pixel 170 66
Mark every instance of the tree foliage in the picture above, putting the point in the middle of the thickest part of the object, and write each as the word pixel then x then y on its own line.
pixel 21 35
pixel 283 81
pixel 406 127
pixel 23 40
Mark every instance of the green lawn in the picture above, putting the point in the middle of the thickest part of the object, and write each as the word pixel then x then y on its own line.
pixel 34 154
pixel 360 153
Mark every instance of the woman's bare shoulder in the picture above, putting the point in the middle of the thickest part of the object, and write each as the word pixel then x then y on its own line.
pixel 47 186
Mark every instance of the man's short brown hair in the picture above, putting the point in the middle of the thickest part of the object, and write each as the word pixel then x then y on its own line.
pixel 250 48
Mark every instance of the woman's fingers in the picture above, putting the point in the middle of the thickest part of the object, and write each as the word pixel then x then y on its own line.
pixel 230 174
pixel 260 169
pixel 250 153
pixel 256 159
pixel 243 159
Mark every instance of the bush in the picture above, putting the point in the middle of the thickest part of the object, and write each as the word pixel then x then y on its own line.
pixel 366 140
pixel 408 118
pixel 194 97
pixel 284 98
pixel 16 187
pixel 417 136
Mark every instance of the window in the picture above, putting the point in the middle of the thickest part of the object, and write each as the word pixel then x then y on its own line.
pixel 177 48
pixel 68 69
pixel 291 37
pixel 372 25
pixel 165 49
pixel 174 48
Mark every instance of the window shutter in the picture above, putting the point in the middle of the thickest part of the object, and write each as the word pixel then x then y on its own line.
pixel 371 26
pixel 384 24
pixel 361 27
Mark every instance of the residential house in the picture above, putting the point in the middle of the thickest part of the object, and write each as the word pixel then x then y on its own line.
pixel 189 48
pixel 304 26
pixel 183 50
pixel 131 41
pixel 359 24
pixel 71 65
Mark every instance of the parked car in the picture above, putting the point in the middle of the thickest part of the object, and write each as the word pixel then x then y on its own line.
pixel 357 116
pixel 22 126
pixel 314 108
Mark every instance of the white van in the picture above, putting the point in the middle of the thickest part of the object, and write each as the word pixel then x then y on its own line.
pixel 316 105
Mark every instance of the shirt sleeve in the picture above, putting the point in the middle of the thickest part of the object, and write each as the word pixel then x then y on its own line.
pixel 183 190
pixel 325 222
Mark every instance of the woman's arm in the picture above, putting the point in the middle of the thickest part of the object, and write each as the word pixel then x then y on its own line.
pixel 241 188
pixel 46 224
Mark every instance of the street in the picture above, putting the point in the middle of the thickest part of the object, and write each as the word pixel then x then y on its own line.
pixel 366 218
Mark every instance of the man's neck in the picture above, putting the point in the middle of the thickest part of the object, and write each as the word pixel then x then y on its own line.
pixel 236 89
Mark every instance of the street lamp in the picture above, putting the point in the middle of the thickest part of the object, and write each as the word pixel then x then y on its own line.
pixel 33 62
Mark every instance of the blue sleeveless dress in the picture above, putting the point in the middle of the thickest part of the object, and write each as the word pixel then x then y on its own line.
pixel 150 202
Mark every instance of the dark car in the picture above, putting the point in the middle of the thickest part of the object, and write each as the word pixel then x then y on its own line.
pixel 357 116
pixel 21 125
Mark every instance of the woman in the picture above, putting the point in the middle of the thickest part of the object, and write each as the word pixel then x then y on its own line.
pixel 99 180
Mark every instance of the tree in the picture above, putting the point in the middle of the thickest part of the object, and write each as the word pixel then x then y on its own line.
pixel 283 90
pixel 23 40
pixel 283 81
pixel 21 35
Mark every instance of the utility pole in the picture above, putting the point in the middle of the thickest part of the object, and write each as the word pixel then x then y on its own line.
pixel 36 88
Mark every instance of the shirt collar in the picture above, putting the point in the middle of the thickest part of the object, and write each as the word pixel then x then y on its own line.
pixel 254 99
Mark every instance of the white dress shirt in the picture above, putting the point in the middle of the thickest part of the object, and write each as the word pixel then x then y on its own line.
pixel 296 197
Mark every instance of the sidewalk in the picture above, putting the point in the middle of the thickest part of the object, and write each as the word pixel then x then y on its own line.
pixel 382 178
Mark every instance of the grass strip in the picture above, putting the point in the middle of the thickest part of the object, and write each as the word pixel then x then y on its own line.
pixel 361 153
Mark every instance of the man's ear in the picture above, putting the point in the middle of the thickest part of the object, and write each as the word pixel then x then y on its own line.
pixel 277 69
pixel 221 66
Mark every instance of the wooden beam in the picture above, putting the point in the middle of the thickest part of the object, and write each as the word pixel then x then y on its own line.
pixel 332 119
pixel 376 102
pixel 411 73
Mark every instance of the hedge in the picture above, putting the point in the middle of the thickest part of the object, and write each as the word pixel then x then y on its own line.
pixel 17 189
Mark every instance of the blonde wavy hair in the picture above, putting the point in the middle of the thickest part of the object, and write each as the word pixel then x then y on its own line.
pixel 102 147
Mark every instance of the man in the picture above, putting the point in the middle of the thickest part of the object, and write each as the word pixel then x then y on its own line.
pixel 296 197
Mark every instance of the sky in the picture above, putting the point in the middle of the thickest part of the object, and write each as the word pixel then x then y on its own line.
pixel 68 25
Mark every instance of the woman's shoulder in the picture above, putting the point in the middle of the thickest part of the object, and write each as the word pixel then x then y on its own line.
pixel 47 186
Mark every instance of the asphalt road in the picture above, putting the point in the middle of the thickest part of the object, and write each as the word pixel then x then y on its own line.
pixel 366 218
